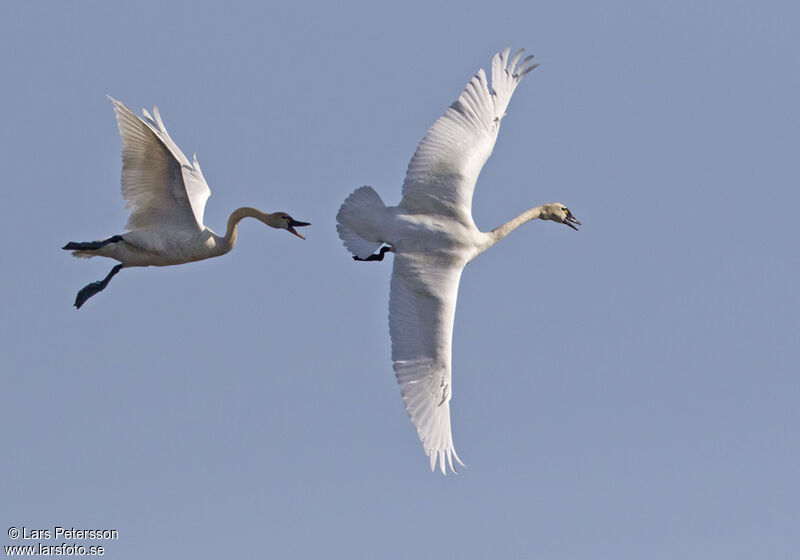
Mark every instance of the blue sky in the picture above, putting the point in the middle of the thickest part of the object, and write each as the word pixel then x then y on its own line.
pixel 628 391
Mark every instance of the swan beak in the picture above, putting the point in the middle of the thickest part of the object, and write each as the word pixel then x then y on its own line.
pixel 572 221
pixel 293 224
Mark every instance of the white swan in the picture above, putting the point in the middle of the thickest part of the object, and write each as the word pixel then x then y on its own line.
pixel 167 196
pixel 433 236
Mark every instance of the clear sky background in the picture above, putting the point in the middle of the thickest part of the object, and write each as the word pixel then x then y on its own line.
pixel 627 391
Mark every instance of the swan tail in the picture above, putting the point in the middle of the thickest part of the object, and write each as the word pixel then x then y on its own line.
pixel 84 254
pixel 357 222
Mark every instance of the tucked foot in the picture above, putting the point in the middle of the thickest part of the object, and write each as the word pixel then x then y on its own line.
pixel 95 287
pixel 91 245
pixel 376 257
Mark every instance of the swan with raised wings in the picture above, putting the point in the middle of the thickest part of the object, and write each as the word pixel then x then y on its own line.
pixel 433 236
pixel 166 194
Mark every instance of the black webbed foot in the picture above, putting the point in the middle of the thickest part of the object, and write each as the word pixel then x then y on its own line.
pixel 95 287
pixel 90 245
pixel 376 257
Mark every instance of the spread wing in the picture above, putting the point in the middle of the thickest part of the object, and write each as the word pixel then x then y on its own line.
pixel 422 306
pixel 161 187
pixel 442 174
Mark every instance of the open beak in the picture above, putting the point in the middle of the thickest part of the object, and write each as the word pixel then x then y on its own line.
pixel 572 221
pixel 293 224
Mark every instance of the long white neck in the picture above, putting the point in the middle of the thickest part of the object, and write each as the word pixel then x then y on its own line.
pixel 237 216
pixel 499 233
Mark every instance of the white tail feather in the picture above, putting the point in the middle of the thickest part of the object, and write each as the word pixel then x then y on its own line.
pixel 84 254
pixel 359 210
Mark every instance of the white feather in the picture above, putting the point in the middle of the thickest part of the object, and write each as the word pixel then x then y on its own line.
pixel 359 235
pixel 158 182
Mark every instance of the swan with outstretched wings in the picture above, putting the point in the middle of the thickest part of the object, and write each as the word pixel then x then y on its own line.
pixel 432 236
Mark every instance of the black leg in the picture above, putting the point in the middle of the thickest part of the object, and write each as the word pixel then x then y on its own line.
pixel 91 245
pixel 95 287
pixel 377 257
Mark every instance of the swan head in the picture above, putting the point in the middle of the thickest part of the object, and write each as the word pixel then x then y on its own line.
pixel 282 220
pixel 557 212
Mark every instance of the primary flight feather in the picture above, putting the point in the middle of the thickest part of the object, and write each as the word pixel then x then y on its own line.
pixel 433 236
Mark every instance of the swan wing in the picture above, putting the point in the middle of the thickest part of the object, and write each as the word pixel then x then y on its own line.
pixel 442 174
pixel 422 306
pixel 161 187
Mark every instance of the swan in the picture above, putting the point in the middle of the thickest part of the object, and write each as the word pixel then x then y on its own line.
pixel 433 236
pixel 167 196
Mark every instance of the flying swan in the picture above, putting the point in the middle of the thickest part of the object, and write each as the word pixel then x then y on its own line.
pixel 433 236
pixel 167 196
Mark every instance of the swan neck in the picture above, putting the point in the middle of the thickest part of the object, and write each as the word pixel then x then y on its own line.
pixel 499 233
pixel 237 216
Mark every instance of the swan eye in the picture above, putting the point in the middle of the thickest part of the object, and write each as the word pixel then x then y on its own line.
pixel 566 211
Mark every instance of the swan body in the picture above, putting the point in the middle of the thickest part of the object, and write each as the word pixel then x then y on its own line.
pixel 433 236
pixel 166 194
